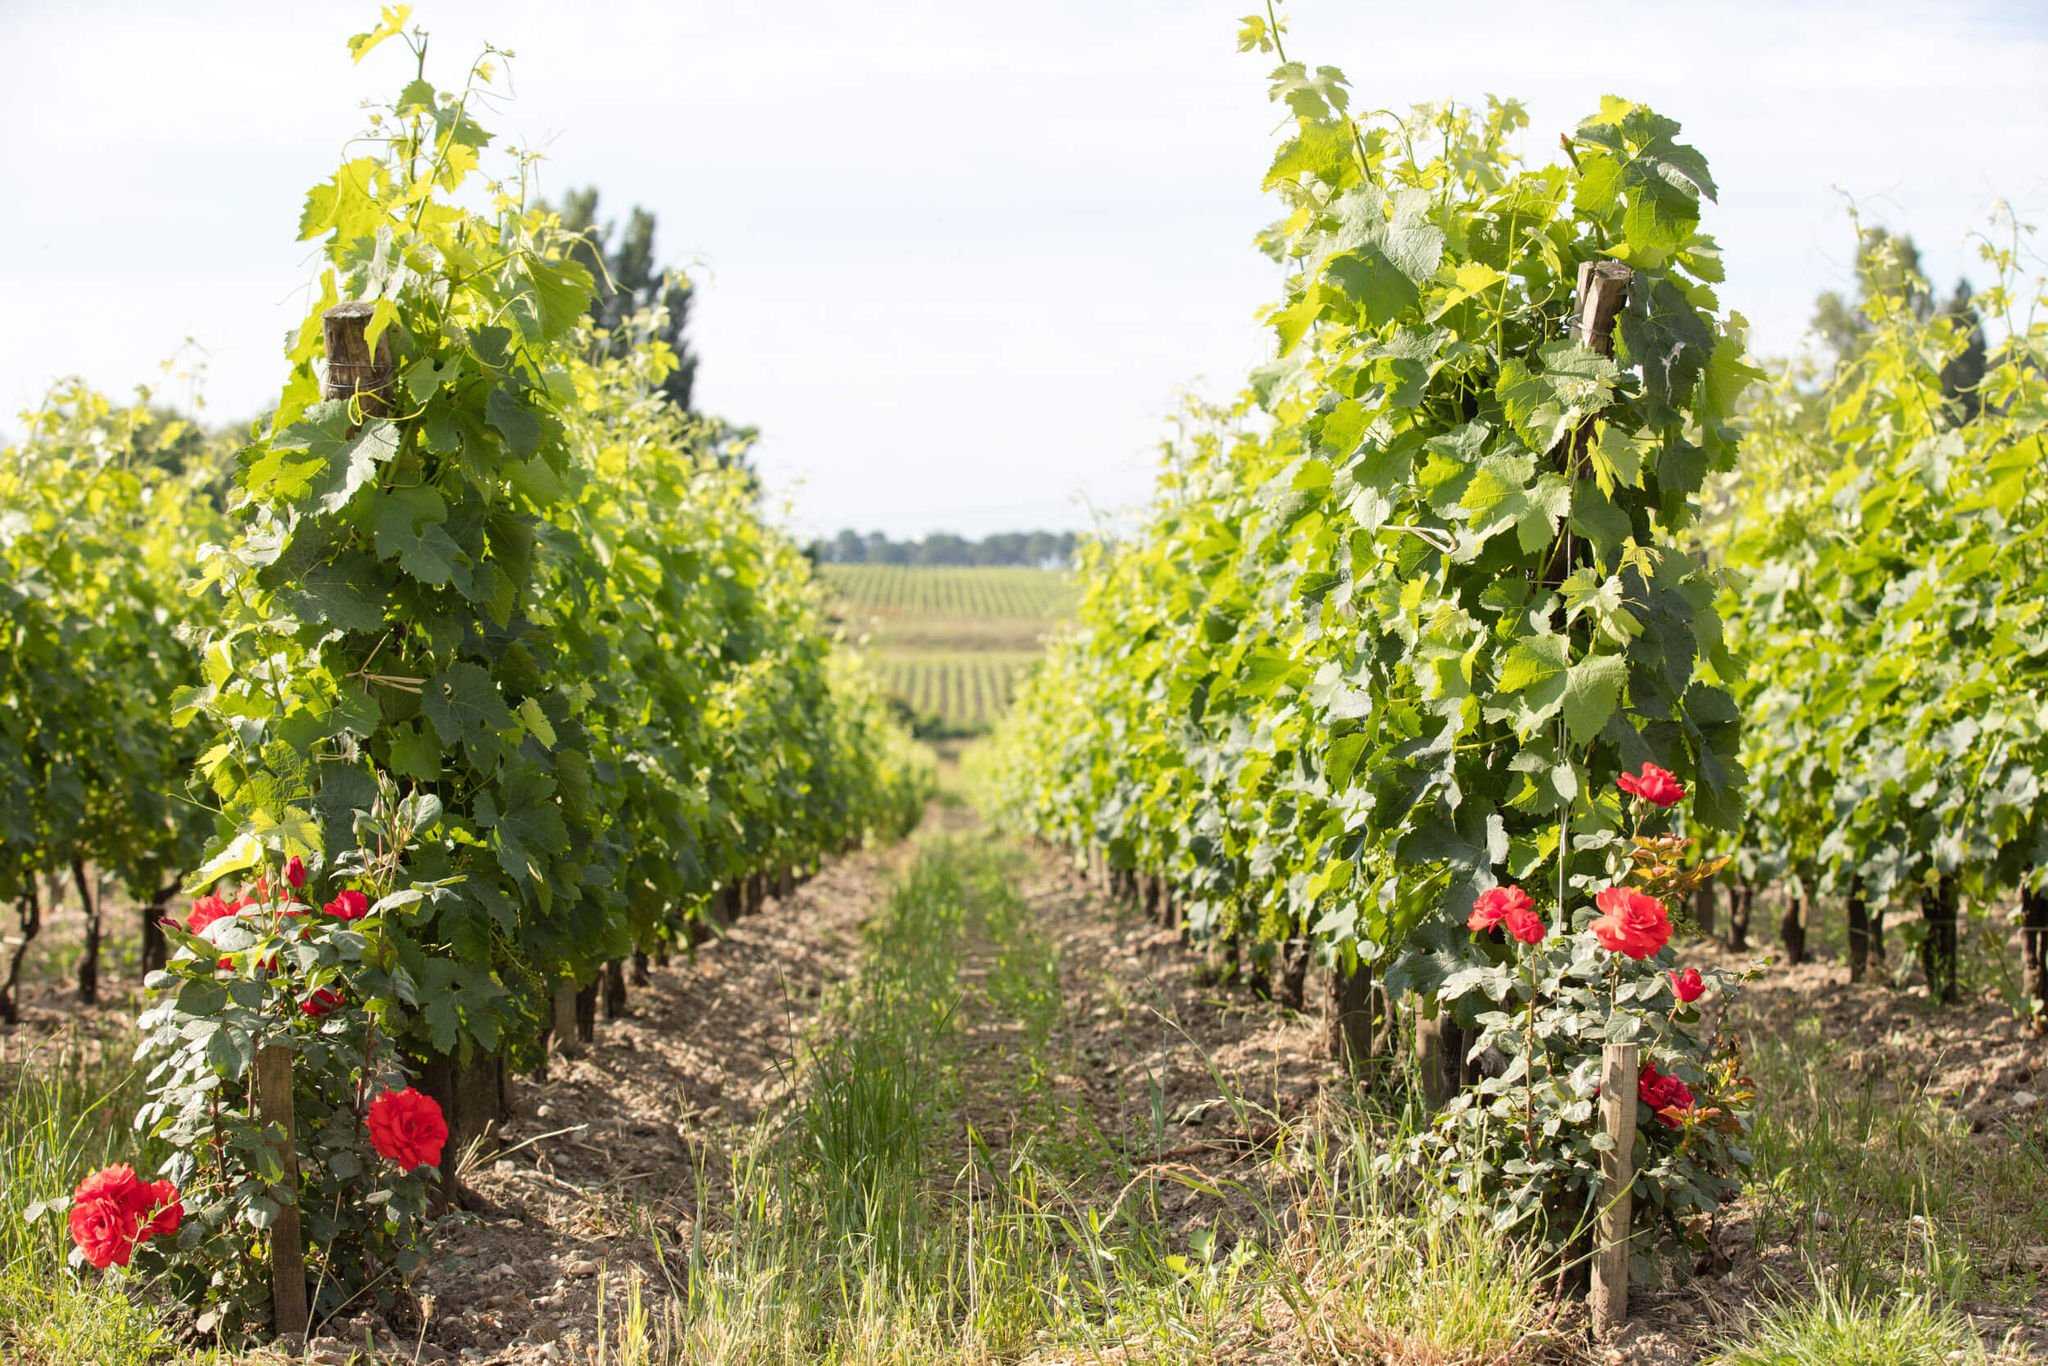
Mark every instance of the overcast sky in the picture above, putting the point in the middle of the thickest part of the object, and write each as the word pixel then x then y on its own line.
pixel 956 260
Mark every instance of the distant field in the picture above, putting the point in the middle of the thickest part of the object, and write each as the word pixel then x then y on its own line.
pixel 996 593
pixel 965 690
pixel 951 642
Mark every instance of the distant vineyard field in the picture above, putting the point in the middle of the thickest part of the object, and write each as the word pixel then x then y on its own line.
pixel 951 642
pixel 965 690
pixel 996 592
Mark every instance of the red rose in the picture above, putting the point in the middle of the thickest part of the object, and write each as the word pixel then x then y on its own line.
pixel 1525 925
pixel 170 1209
pixel 407 1127
pixel 1656 785
pixel 295 871
pixel 350 905
pixel 1688 985
pixel 1668 1096
pixel 1495 904
pixel 320 1002
pixel 111 1211
pixel 1631 922
pixel 103 1232
pixel 208 909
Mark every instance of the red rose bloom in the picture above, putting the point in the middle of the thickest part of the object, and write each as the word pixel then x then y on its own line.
pixel 1525 925
pixel 407 1127
pixel 1688 985
pixel 1631 922
pixel 320 1002
pixel 350 905
pixel 1668 1096
pixel 208 909
pixel 111 1211
pixel 1496 904
pixel 295 871
pixel 1655 785
pixel 170 1209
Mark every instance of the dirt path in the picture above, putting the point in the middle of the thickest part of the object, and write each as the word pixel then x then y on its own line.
pixel 618 1150
pixel 611 1161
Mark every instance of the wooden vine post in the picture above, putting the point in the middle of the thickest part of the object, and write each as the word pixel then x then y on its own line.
pixel 287 1248
pixel 1619 1072
pixel 353 370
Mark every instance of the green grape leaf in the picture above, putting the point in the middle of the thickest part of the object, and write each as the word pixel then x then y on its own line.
pixel 1321 149
pixel 346 204
pixel 1634 161
pixel 317 466
pixel 528 826
pixel 1668 339
pixel 1544 406
pixel 410 528
pixel 514 420
pixel 1379 263
pixel 466 709
pixel 1591 694
pixel 557 300
pixel 415 753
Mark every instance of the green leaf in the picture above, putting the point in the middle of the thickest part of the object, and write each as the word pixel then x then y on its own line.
pixel 347 592
pixel 1533 661
pixel 466 709
pixel 1544 407
pixel 410 528
pixel 1591 695
pixel 243 852
pixel 537 722
pixel 528 825
pixel 414 753
pixel 558 299
pixel 1669 340
pixel 514 420
pixel 318 465
pixel 1321 149
pixel 1633 160
pixel 346 204
pixel 229 1051
pixel 1380 264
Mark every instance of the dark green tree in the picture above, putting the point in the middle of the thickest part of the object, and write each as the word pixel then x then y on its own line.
pixel 622 262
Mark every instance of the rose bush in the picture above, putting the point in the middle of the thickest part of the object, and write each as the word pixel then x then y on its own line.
pixel 1528 1139
pixel 257 969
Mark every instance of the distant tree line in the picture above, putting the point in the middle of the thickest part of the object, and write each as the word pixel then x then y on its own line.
pixel 1043 549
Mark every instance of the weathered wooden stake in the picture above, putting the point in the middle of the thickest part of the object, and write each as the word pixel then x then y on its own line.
pixel 352 371
pixel 1347 1019
pixel 615 989
pixel 287 1252
pixel 566 1041
pixel 1618 1077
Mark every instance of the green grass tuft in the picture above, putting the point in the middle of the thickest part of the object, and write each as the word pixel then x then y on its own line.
pixel 1838 1327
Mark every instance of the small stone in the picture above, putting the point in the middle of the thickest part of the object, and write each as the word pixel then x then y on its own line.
pixel 504 1166
pixel 545 1112
pixel 2022 1100
pixel 582 1266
